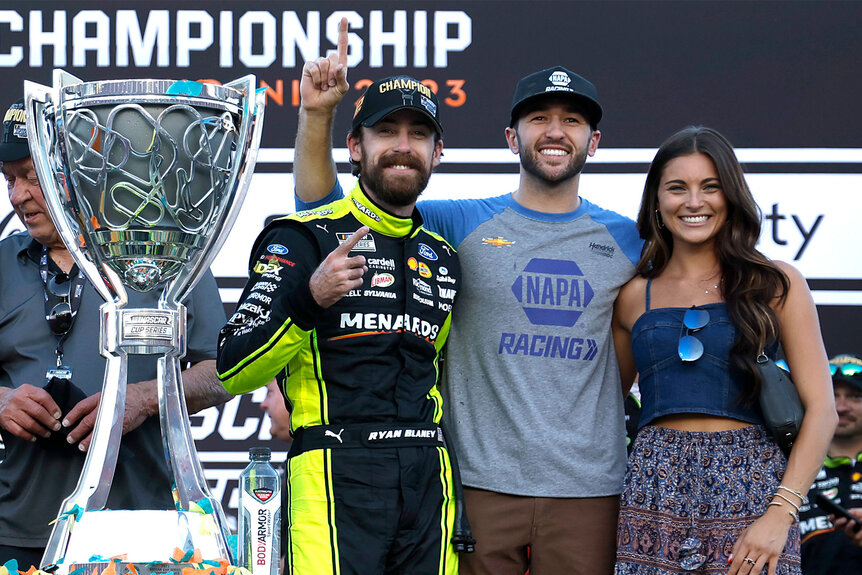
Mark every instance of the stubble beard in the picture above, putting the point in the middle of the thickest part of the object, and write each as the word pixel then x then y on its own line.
pixel 852 431
pixel 399 191
pixel 530 162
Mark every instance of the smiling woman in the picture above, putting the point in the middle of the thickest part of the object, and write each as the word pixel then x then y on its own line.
pixel 691 202
pixel 705 304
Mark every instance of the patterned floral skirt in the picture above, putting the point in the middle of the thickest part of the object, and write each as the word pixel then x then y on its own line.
pixel 689 495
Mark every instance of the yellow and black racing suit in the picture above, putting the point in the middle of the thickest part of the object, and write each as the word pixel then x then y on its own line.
pixel 368 475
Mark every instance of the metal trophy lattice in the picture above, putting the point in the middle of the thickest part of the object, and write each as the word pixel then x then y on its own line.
pixel 143 179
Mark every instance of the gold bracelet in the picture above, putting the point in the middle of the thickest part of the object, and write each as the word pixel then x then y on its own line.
pixel 801 497
pixel 795 506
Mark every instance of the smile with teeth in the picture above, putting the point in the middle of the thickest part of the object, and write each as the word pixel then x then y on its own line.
pixel 694 219
pixel 553 152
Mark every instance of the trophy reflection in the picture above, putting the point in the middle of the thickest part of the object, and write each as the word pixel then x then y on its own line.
pixel 143 179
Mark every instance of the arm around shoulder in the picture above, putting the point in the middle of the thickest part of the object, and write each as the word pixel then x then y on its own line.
pixel 627 308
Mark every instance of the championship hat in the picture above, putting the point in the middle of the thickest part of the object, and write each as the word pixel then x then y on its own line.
pixel 557 81
pixel 395 93
pixel 13 142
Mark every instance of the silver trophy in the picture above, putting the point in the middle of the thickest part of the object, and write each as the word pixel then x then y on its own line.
pixel 143 179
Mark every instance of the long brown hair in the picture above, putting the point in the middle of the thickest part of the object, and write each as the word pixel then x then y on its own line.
pixel 750 281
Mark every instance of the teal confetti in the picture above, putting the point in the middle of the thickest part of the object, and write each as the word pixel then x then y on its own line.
pixel 206 505
pixel 185 88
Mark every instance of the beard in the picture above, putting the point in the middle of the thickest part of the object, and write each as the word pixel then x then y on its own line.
pixel 397 191
pixel 530 162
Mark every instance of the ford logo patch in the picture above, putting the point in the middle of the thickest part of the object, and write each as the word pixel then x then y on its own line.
pixel 427 252
pixel 277 249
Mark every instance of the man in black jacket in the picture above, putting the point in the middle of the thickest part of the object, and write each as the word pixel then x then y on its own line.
pixel 828 549
pixel 348 306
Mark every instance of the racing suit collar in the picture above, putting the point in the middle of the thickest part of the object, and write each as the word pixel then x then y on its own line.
pixel 833 462
pixel 378 219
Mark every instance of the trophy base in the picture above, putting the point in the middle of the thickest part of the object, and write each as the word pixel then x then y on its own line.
pixel 120 567
pixel 143 538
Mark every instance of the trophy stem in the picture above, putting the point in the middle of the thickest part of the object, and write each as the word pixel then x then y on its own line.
pixel 97 475
pixel 190 490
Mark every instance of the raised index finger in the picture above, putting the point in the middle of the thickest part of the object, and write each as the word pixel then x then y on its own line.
pixel 351 242
pixel 342 42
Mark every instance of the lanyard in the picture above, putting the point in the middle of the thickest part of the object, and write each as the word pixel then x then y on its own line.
pixel 76 291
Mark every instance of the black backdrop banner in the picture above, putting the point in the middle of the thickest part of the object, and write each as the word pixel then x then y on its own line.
pixel 780 79
pixel 769 73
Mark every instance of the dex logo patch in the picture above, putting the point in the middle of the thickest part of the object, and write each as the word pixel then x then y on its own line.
pixel 552 292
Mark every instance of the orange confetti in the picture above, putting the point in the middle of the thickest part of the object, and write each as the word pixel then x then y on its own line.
pixel 29 571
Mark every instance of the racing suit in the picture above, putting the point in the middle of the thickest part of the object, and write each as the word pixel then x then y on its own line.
pixel 825 551
pixel 369 477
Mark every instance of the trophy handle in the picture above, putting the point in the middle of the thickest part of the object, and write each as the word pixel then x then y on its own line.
pixel 43 138
pixel 94 485
pixel 248 145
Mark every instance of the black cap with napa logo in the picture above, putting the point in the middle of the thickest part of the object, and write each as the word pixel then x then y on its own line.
pixel 396 93
pixel 557 81
pixel 13 143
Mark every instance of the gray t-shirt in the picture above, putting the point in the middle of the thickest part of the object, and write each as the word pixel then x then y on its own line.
pixel 531 383
pixel 35 480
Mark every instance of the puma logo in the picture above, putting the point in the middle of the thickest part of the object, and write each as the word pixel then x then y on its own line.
pixel 324 229
pixel 329 433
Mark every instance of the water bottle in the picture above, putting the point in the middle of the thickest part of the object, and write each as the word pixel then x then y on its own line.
pixel 258 542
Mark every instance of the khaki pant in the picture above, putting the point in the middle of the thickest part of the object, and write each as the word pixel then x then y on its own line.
pixel 575 536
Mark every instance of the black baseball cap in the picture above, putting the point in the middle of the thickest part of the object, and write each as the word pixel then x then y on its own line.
pixel 847 368
pixel 557 81
pixel 13 143
pixel 396 93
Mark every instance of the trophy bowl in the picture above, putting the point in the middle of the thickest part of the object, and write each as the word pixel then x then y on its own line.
pixel 143 179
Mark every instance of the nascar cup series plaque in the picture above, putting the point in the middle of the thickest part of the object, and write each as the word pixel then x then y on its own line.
pixel 143 179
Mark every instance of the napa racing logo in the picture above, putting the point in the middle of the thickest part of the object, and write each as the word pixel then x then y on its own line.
pixel 552 292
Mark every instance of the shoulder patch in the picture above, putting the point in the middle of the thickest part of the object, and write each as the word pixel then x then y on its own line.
pixel 334 209
pixel 447 247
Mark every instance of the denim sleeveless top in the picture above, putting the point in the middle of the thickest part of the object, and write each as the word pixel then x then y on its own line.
pixel 709 385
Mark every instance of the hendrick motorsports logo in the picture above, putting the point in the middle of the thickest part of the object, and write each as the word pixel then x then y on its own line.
pixel 552 292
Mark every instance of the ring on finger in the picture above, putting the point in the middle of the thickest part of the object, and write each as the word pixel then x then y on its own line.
pixel 749 560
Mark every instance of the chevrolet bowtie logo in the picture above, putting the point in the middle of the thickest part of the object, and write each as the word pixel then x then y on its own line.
pixel 499 242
